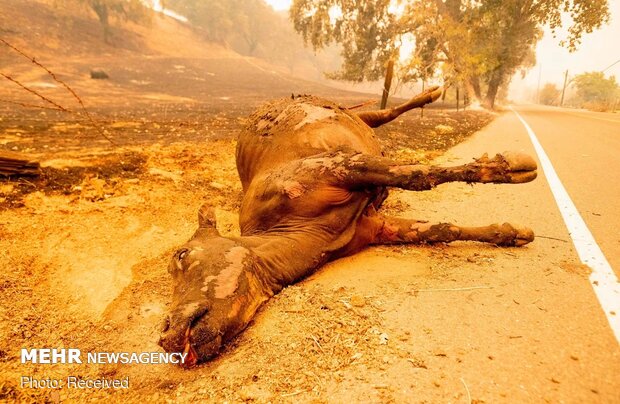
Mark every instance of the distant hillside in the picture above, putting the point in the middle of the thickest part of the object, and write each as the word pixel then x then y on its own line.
pixel 164 63
pixel 72 29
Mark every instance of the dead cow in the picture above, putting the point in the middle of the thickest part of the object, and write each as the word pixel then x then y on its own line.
pixel 314 178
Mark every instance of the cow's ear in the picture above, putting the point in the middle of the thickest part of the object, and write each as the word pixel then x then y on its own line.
pixel 206 217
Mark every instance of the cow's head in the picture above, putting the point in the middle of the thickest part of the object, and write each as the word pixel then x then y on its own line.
pixel 216 292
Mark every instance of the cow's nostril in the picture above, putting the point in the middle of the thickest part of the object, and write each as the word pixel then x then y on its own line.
pixel 165 324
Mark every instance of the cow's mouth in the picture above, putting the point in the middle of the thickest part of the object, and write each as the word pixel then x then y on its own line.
pixel 191 359
pixel 185 336
pixel 200 341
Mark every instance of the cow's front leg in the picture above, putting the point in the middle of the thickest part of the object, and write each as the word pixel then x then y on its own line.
pixel 359 171
pixel 377 118
pixel 394 230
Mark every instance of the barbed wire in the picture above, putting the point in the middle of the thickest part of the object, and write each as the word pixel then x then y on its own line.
pixel 23 104
pixel 44 98
pixel 62 83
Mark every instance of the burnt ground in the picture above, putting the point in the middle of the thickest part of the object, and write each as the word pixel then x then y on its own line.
pixel 73 152
pixel 84 246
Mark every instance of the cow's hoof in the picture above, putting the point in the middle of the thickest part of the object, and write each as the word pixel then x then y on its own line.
pixel 522 167
pixel 435 92
pixel 525 235
pixel 514 236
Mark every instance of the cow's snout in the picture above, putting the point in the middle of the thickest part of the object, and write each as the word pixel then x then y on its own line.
pixel 176 327
pixel 172 341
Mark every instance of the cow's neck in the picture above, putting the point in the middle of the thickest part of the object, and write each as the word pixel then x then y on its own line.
pixel 286 257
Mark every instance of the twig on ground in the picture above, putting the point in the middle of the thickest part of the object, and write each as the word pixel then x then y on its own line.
pixel 27 182
pixel 335 343
pixel 466 389
pixel 317 343
pixel 294 393
pixel 452 289
pixel 552 238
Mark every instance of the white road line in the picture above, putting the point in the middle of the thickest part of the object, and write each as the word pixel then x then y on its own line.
pixel 603 279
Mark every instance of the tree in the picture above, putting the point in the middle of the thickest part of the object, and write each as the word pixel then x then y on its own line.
pixel 550 94
pixel 249 27
pixel 510 30
pixel 481 42
pixel 243 25
pixel 367 30
pixel 133 10
pixel 240 24
pixel 596 91
pixel 216 18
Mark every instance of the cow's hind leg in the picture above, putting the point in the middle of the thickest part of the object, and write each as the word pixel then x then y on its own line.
pixel 377 118
pixel 398 230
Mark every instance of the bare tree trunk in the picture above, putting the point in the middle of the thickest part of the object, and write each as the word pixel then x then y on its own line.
pixel 12 164
pixel 251 42
pixel 496 79
pixel 475 85
pixel 465 97
pixel 102 12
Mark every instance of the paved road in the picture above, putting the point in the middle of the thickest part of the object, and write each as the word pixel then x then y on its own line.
pixel 584 148
pixel 542 324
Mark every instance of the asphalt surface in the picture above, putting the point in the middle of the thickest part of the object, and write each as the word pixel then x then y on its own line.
pixel 541 323
pixel 584 148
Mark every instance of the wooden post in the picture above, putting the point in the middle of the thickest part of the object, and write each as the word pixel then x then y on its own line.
pixel 387 83
pixel 443 95
pixel 12 164
pixel 422 107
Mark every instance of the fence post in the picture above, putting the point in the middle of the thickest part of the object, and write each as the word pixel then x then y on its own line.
pixel 387 83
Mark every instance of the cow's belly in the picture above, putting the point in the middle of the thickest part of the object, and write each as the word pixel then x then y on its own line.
pixel 327 214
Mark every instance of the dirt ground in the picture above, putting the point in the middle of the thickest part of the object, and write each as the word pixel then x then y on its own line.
pixel 84 252
pixel 84 247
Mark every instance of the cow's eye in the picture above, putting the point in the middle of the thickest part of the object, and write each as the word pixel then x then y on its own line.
pixel 182 254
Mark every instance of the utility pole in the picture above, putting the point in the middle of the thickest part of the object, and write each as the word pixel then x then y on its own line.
pixel 538 88
pixel 564 87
